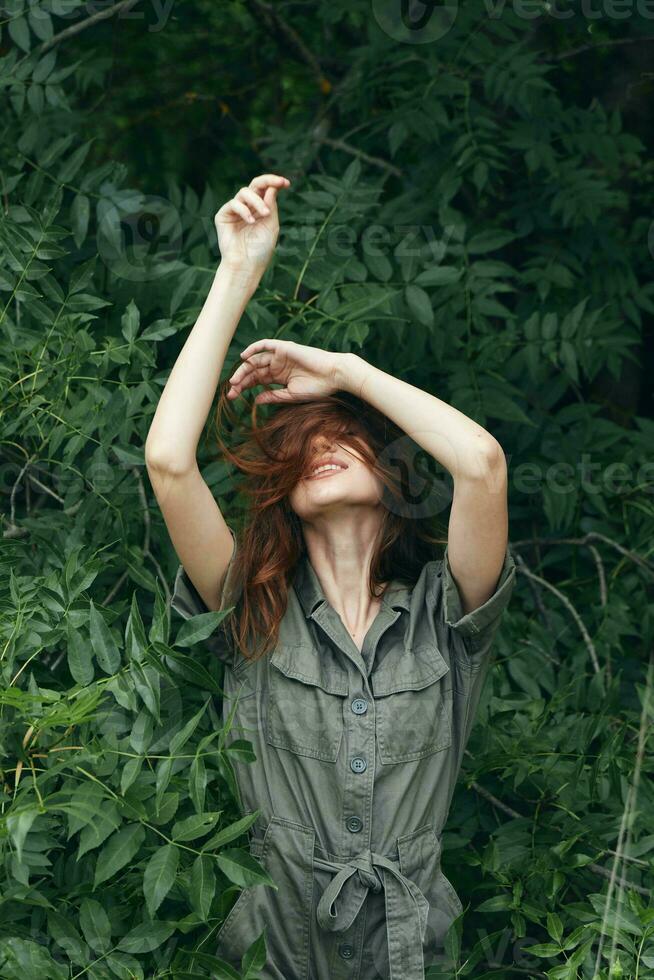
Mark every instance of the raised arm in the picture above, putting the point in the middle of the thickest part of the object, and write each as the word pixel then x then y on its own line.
pixel 478 527
pixel 247 228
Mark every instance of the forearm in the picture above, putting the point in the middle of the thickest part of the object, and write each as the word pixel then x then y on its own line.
pixel 463 447
pixel 187 397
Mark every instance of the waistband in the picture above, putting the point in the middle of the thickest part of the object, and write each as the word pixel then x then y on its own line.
pixel 342 899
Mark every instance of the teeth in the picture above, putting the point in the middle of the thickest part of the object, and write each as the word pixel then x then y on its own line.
pixel 327 466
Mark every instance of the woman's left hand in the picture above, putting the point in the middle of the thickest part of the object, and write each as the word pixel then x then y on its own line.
pixel 307 372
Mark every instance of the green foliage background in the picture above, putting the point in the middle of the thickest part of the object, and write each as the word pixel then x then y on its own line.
pixel 473 214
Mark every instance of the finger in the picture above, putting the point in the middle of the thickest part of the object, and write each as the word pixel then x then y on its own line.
pixel 255 376
pixel 243 372
pixel 280 395
pixel 263 344
pixel 241 210
pixel 270 197
pixel 267 180
pixel 251 197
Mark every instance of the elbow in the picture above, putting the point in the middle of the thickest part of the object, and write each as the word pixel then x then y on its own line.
pixel 486 462
pixel 160 461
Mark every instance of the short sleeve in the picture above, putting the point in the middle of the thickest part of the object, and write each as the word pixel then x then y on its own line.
pixel 476 629
pixel 187 601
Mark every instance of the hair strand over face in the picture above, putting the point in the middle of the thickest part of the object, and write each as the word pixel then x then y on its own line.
pixel 272 457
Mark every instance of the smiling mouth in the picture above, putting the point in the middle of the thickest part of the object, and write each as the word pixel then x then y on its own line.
pixel 325 473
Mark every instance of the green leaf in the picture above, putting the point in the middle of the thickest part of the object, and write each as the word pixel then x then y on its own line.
pixel 198 628
pixel 419 303
pixel 103 642
pixel 117 852
pixel 500 406
pixel 439 275
pixel 233 831
pixel 379 265
pixel 202 885
pixel 74 163
pixel 95 925
pixel 489 241
pixel 79 216
pixel 130 772
pixel 549 326
pixel 179 740
pixel 147 937
pixel 18 825
pixel 543 949
pixel 41 23
pixel 554 926
pixel 67 937
pixel 243 869
pixel 568 357
pixel 80 657
pixel 46 64
pixel 197 783
pixel 130 321
pixel 159 876
pixel 254 958
pixel 19 32
pixel 136 642
pixel 164 772
pixel 498 903
pixel 197 825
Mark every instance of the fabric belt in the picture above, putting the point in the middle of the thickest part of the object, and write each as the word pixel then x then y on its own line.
pixel 406 907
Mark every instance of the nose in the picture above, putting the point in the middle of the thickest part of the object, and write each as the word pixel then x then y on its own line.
pixel 323 444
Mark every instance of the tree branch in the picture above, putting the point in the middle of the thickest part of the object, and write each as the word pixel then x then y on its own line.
pixel 352 150
pixel 590 646
pixel 117 8
pixel 572 52
pixel 587 538
pixel 277 22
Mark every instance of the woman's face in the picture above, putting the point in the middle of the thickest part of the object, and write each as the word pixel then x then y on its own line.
pixel 353 483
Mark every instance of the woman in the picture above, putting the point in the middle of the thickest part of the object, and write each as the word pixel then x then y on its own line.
pixel 361 700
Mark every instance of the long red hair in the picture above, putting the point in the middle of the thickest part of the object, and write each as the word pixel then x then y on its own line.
pixel 272 456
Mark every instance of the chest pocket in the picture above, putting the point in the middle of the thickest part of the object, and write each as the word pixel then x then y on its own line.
pixel 306 691
pixel 412 705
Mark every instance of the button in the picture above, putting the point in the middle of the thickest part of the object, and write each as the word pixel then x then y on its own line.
pixel 346 950
pixel 354 824
pixel 358 764
pixel 359 706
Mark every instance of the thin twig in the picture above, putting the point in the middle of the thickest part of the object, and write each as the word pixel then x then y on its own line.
pixel 277 21
pixel 522 567
pixel 352 150
pixel 542 608
pixel 117 8
pixel 600 572
pixel 587 538
pixel 628 815
pixel 572 52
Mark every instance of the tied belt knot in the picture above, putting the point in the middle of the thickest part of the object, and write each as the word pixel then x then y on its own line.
pixel 406 907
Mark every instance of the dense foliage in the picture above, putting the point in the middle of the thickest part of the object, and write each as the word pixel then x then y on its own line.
pixel 470 210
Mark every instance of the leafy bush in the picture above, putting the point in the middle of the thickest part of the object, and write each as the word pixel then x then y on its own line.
pixel 462 218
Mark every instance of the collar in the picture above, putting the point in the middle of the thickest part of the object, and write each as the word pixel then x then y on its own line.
pixel 310 592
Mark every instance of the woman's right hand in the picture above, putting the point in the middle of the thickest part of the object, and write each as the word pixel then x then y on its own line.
pixel 248 225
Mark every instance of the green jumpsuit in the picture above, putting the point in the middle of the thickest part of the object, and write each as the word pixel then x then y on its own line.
pixel 357 756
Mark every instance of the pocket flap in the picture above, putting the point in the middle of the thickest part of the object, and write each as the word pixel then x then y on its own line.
pixel 414 668
pixel 311 666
